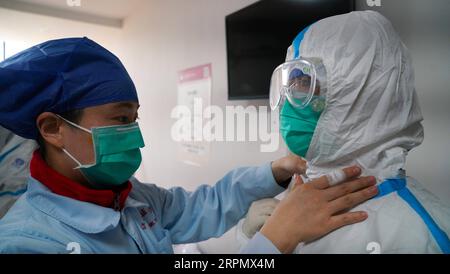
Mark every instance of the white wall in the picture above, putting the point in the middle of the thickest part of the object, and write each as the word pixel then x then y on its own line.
pixel 22 30
pixel 424 27
pixel 160 39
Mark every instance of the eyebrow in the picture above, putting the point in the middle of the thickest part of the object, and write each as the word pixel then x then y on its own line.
pixel 126 105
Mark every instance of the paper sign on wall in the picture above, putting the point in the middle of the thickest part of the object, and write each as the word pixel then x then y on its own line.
pixel 194 95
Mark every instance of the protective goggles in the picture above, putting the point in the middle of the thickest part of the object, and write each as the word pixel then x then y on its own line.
pixel 301 81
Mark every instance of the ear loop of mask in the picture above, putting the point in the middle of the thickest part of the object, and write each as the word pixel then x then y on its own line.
pixel 80 165
pixel 73 158
pixel 75 125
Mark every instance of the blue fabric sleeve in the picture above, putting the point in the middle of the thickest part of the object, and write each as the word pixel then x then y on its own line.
pixel 210 211
pixel 259 244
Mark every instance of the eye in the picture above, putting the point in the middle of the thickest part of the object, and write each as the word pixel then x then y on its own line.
pixel 122 119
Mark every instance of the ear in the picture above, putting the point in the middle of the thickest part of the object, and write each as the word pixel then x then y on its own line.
pixel 50 127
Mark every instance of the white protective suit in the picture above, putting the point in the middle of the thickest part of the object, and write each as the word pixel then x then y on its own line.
pixel 372 119
pixel 15 156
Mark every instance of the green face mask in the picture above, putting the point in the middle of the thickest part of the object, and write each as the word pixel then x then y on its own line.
pixel 117 154
pixel 297 127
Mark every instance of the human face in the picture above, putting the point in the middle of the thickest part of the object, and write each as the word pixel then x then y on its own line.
pixel 80 144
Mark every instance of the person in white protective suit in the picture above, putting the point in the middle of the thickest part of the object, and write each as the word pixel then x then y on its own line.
pixel 359 107
pixel 15 155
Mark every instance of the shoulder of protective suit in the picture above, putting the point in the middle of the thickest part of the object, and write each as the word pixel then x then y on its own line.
pixel 438 209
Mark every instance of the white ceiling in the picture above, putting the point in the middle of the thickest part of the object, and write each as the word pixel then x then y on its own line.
pixel 115 9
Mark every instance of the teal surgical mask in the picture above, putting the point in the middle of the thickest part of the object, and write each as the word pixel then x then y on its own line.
pixel 297 126
pixel 117 154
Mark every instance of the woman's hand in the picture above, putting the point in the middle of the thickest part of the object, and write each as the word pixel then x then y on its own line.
pixel 283 169
pixel 313 210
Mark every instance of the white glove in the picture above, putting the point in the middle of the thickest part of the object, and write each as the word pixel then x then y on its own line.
pixel 257 215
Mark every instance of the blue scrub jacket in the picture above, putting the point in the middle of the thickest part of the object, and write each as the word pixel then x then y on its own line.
pixel 152 220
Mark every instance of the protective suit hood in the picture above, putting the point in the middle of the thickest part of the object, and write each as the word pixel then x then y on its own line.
pixel 372 116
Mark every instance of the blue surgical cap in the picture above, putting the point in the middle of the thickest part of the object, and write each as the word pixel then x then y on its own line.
pixel 59 76
pixel 298 41
pixel 295 73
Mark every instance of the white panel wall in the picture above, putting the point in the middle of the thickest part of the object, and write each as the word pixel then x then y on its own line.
pixel 22 30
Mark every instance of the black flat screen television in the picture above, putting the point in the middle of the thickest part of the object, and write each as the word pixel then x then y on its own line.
pixel 259 35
